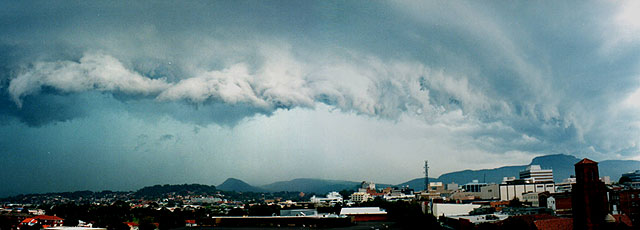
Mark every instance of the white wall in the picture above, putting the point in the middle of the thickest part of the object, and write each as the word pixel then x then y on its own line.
pixel 453 209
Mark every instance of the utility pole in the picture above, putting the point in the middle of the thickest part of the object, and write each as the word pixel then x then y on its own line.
pixel 426 176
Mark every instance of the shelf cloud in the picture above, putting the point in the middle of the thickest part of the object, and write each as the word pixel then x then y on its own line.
pixel 473 82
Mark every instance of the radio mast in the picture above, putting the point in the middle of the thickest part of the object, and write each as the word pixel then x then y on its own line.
pixel 426 176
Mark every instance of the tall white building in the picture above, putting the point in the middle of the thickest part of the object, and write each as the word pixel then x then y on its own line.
pixel 537 174
pixel 359 197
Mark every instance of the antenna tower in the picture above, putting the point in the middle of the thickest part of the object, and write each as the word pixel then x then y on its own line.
pixel 426 176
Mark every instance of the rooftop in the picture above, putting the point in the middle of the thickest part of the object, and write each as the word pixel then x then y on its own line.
pixel 586 161
pixel 362 210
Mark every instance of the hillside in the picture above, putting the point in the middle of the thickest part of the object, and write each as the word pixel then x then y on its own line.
pixel 562 165
pixel 416 184
pixel 233 184
pixel 182 189
pixel 311 185
pixel 319 186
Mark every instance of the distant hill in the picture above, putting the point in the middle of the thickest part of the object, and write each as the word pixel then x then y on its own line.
pixel 562 165
pixel 180 189
pixel 615 168
pixel 318 186
pixel 233 184
pixel 416 184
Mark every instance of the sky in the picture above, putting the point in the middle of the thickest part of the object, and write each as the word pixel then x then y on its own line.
pixel 120 95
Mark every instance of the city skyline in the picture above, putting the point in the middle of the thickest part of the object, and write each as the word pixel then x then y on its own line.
pixel 124 95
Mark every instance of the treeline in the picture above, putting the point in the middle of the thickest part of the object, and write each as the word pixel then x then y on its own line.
pixel 115 215
pixel 160 191
pixel 69 195
pixel 157 191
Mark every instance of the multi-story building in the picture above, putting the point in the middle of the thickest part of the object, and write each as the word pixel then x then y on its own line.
pixel 537 174
pixel 633 176
pixel 565 186
pixel 360 197
pixel 632 179
pixel 473 186
pixel 630 204
pixel 514 189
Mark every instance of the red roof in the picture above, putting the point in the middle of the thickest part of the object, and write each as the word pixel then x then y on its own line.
pixel 130 223
pixel 586 161
pixel 624 219
pixel 555 224
pixel 25 221
pixel 190 221
pixel 45 217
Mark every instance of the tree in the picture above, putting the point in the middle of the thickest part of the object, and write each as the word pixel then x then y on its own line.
pixel 624 179
pixel 237 212
pixel 146 223
pixel 515 202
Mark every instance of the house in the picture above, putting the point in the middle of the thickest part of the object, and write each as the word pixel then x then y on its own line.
pixel 190 223
pixel 42 220
pixel 132 225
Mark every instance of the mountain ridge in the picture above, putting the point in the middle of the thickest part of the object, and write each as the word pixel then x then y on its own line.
pixel 233 184
pixel 562 165
pixel 314 185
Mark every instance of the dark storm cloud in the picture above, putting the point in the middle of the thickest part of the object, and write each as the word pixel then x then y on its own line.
pixel 500 77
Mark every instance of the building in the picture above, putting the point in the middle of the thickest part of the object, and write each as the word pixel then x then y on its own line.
pixel 42 220
pixel 463 196
pixel 132 225
pixel 533 198
pixel 190 223
pixel 515 188
pixel 394 194
pixel 440 209
pixel 489 192
pixel 298 212
pixel 631 178
pixel 566 185
pixel 359 197
pixel 332 198
pixel 629 204
pixel 437 187
pixel 365 213
pixel 589 197
pixel 537 174
pixel 560 203
pixel 452 186
pixel 74 228
pixel 473 186
pixel 368 185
